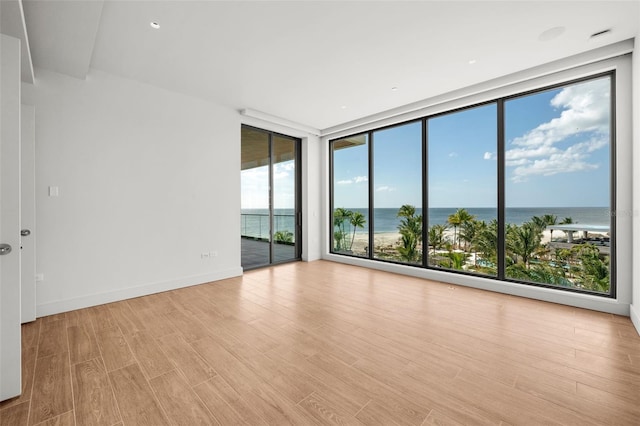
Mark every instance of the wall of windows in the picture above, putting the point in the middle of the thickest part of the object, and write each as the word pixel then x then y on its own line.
pixel 519 189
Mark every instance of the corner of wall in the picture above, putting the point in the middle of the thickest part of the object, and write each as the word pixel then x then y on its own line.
pixel 634 313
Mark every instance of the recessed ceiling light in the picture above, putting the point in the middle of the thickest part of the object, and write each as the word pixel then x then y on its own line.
pixel 600 33
pixel 154 25
pixel 551 33
pixel 343 107
pixel 472 61
pixel 394 88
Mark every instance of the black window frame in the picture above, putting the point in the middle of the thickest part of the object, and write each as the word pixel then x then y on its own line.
pixel 501 185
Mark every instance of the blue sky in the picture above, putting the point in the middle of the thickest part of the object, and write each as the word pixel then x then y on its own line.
pixel 557 155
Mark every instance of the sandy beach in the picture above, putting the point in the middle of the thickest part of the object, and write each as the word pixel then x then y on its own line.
pixel 390 240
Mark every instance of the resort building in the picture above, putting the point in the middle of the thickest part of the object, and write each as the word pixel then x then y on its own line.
pixel 316 212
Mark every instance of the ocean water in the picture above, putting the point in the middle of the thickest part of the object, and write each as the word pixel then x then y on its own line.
pixel 255 222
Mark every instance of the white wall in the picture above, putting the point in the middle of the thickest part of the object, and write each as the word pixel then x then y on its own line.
pixel 635 306
pixel 148 180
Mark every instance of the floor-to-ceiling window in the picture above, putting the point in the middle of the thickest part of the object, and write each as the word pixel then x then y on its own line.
pixel 270 210
pixel 519 189
pixel 558 186
pixel 350 213
pixel 463 190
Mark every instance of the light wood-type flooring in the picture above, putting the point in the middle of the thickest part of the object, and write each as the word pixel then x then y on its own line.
pixel 325 343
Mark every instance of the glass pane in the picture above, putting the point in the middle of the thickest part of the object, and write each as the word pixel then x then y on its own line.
pixel 254 175
pixel 284 198
pixel 397 179
pixel 558 186
pixel 351 196
pixel 462 167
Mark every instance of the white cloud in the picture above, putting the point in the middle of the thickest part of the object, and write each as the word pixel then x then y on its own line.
pixel 489 156
pixel 585 112
pixel 355 179
pixel 573 159
pixel 385 188
pixel 453 154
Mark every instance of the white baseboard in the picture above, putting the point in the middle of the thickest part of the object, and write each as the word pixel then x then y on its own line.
pixel 635 316
pixel 131 292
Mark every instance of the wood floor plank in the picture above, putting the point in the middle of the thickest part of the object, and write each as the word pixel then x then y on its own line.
pixel 156 325
pixel 194 368
pixel 269 404
pixel 439 419
pixel 93 397
pixel 182 405
pixel 328 410
pixel 101 318
pixel 66 419
pixel 150 357
pixel 114 348
pixel 404 411
pixel 83 345
pixel 189 326
pixel 15 415
pixel 125 318
pixel 135 398
pixel 53 338
pixel 30 333
pixel 226 404
pixel 52 393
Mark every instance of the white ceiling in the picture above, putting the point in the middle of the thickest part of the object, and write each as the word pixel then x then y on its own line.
pixel 318 63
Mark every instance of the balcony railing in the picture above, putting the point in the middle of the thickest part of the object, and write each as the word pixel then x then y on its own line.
pixel 256 225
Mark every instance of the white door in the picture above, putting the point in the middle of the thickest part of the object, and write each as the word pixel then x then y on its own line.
pixel 10 365
pixel 28 213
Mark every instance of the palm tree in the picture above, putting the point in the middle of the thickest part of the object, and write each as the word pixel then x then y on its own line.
pixel 357 220
pixel 487 241
pixel 458 218
pixel 550 220
pixel 539 223
pixel 410 223
pixel 411 231
pixel 472 234
pixel 436 236
pixel 524 241
pixel 340 216
pixel 457 260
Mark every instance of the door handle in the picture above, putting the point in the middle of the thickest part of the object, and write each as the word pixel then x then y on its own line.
pixel 25 232
pixel 5 249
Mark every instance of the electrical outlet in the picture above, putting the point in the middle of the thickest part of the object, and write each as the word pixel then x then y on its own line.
pixel 204 255
pixel 39 277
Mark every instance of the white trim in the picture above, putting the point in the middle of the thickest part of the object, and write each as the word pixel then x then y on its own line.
pixel 635 317
pixel 268 118
pixel 131 292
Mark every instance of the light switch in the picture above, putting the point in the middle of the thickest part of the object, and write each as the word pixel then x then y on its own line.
pixel 53 191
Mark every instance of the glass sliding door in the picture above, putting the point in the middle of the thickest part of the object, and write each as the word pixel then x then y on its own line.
pixel 270 202
pixel 284 198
